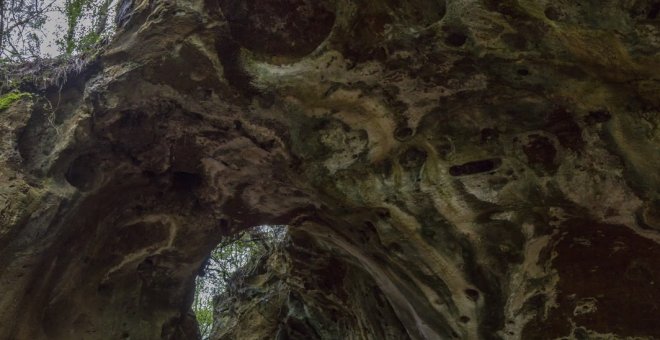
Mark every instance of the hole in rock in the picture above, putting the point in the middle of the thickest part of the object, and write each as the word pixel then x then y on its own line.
pixel 185 181
pixel 291 28
pixel 82 172
pixel 475 167
pixel 523 72
pixel 456 39
pixel 236 257
pixel 472 294
pixel 403 133
pixel 412 158
pixel 598 116
pixel 580 333
pixel 541 152
pixel 552 14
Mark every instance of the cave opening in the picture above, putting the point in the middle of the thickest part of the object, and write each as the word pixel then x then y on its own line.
pixel 228 264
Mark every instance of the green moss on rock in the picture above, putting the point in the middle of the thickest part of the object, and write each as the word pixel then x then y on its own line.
pixel 9 98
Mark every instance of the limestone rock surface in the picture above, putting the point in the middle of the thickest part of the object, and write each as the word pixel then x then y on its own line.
pixel 449 169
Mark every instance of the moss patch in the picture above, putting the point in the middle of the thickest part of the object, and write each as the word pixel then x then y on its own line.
pixel 7 99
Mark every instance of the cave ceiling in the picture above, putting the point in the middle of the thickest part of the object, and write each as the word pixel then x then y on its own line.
pixel 453 169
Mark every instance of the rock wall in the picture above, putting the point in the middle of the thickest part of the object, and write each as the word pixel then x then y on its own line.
pixel 448 169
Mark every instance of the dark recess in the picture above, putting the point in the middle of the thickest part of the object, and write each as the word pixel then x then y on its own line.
pixel 81 172
pixel 475 167
pixel 456 39
pixel 185 181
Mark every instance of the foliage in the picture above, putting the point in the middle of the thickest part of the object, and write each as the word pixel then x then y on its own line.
pixel 87 21
pixel 20 22
pixel 73 10
pixel 226 265
pixel 76 27
pixel 7 99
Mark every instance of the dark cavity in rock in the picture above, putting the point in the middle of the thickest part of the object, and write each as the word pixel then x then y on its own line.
pixel 598 116
pixel 412 158
pixel 475 167
pixel 540 152
pixel 552 14
pixel 81 172
pixel 290 28
pixel 185 181
pixel 560 123
pixel 472 294
pixel 523 72
pixel 456 39
pixel 403 133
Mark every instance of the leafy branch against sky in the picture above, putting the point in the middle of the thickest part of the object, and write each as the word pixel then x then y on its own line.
pixel 31 29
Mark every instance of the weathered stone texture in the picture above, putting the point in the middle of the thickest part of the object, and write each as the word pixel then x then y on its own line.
pixel 449 169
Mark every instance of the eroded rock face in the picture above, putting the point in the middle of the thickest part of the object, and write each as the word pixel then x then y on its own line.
pixel 449 169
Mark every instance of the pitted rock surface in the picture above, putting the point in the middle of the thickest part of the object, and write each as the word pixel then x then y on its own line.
pixel 448 169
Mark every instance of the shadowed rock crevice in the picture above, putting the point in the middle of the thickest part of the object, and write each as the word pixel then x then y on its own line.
pixel 286 28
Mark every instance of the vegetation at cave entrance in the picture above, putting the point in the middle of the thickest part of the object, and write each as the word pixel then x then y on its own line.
pixel 228 262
